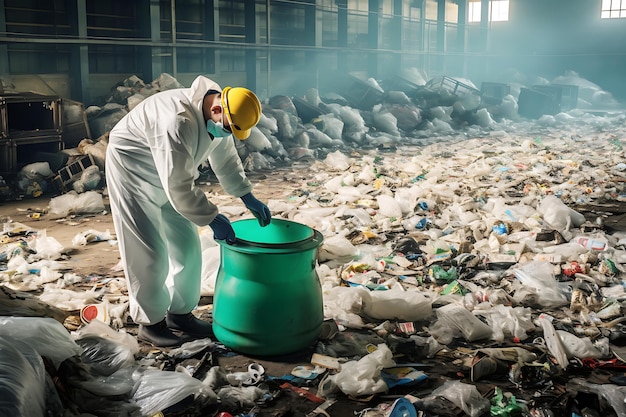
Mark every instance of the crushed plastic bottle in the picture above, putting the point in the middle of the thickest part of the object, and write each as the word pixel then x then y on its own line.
pixel 500 229
pixel 438 273
pixel 501 406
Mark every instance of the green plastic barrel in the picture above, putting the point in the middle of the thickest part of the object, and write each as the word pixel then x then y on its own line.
pixel 268 298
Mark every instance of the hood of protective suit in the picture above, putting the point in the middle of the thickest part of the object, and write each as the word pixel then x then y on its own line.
pixel 199 88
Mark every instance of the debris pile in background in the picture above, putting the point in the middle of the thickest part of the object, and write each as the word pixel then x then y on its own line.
pixel 466 270
pixel 406 109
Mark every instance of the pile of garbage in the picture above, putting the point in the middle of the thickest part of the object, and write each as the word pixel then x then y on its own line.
pixel 406 109
pixel 473 272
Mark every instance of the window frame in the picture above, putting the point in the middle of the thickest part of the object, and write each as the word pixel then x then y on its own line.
pixel 613 9
pixel 474 13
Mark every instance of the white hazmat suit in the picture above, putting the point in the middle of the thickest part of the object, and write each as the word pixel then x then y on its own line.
pixel 152 163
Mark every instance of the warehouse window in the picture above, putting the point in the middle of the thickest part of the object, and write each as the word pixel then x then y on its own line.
pixel 612 9
pixel 498 11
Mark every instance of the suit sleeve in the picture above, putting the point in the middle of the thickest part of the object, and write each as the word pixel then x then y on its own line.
pixel 174 159
pixel 227 166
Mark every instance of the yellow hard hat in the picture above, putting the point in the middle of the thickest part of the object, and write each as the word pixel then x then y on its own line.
pixel 243 110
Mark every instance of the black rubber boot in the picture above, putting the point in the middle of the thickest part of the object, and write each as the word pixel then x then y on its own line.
pixel 159 335
pixel 189 324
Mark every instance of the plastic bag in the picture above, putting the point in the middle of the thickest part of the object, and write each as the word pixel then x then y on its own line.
pixel 89 236
pixel 553 341
pixel 388 206
pixel 342 304
pixel 101 329
pixel 47 336
pixel 454 320
pixel 117 384
pixel 337 248
pixel 22 385
pixel 558 215
pixel 507 321
pixel 385 121
pixel 538 276
pixel 578 347
pixel 396 304
pixel 464 396
pixel 46 247
pixel 333 126
pixel 89 179
pixel 257 141
pixel 158 390
pixel 104 356
pixel 239 397
pixel 73 203
pixel 337 160
pixel 362 377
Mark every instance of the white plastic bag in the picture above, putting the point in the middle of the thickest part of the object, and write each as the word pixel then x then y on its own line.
pixel 538 276
pixel 553 341
pixel 337 160
pixel 464 396
pixel 362 377
pixel 73 203
pixel 558 215
pixel 578 347
pixel 396 304
pixel 507 321
pixel 454 320
pixel 158 390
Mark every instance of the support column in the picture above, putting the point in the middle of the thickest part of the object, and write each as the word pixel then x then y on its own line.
pixel 310 30
pixel 4 49
pixel 396 32
pixel 373 20
pixel 342 34
pixel 422 32
pixel 210 33
pixel 484 23
pixel 79 58
pixel 252 63
pixel 461 26
pixel 441 25
pixel 461 47
pixel 441 35
pixel 150 27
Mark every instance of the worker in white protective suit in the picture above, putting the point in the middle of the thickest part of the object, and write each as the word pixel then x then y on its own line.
pixel 152 163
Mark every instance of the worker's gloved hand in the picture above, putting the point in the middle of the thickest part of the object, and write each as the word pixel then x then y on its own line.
pixel 260 210
pixel 222 229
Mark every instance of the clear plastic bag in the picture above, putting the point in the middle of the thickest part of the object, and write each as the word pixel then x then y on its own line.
pixel 73 203
pixel 464 396
pixel 22 385
pixel 157 390
pixel 104 356
pixel 538 276
pixel 46 335
pixel 507 321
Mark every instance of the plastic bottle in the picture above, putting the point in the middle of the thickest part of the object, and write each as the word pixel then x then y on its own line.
pixel 591 243
pixel 438 273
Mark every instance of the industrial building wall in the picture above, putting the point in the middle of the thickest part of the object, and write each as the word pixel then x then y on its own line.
pixel 549 38
pixel 81 48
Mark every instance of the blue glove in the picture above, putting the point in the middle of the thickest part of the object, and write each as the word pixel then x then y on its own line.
pixel 222 229
pixel 260 210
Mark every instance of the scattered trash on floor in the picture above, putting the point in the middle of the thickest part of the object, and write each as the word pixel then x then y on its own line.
pixel 468 269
